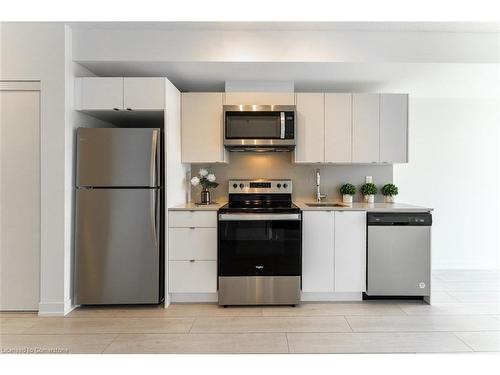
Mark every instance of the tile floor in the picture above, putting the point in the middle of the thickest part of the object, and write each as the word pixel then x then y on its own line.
pixel 464 317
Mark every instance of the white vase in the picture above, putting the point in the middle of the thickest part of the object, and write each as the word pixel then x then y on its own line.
pixel 369 198
pixel 347 198
pixel 389 198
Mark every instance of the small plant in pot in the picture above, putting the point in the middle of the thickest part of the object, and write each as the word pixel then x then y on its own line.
pixel 389 191
pixel 347 191
pixel 207 181
pixel 369 190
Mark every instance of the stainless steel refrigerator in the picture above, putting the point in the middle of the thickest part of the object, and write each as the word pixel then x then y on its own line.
pixel 119 209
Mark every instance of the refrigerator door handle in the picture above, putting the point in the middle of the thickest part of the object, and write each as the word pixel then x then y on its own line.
pixel 154 157
pixel 154 216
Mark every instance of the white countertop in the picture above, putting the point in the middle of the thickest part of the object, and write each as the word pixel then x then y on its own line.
pixel 356 206
pixel 360 206
pixel 192 206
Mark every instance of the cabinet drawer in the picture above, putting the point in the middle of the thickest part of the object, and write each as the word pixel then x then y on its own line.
pixel 192 277
pixel 192 243
pixel 187 219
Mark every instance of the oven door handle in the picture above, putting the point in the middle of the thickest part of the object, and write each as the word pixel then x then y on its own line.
pixel 258 217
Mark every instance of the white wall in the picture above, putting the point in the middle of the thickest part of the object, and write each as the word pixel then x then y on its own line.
pixel 35 51
pixel 455 161
pixel 208 45
pixel 42 51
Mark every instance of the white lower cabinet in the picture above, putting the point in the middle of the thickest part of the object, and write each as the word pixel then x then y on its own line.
pixel 317 251
pixel 198 276
pixel 350 251
pixel 333 251
pixel 192 252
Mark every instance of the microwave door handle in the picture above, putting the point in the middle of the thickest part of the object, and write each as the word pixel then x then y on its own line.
pixel 282 122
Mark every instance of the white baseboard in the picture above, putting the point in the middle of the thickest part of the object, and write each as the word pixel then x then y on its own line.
pixel 325 297
pixel 305 297
pixel 193 297
pixel 55 308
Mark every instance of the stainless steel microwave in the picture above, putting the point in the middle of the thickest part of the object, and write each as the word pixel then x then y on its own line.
pixel 259 127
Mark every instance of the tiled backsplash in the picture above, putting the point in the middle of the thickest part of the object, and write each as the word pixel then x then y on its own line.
pixel 279 165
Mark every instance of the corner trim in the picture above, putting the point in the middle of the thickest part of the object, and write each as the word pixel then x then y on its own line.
pixel 55 308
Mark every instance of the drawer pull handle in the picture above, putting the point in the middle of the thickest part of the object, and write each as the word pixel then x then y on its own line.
pixel 191 227
pixel 191 260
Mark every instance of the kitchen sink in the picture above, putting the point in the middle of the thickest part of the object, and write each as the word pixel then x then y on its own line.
pixel 326 204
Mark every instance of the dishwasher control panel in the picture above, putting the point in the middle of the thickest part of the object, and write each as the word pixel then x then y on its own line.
pixel 418 218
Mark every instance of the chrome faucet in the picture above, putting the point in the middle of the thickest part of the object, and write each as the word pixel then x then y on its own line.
pixel 319 196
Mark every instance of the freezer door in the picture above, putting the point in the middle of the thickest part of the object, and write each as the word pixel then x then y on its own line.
pixel 118 157
pixel 399 261
pixel 117 259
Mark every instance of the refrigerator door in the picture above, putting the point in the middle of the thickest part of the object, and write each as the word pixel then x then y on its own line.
pixel 118 157
pixel 117 259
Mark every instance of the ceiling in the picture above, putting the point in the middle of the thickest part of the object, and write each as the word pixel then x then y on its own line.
pixel 307 76
pixel 479 27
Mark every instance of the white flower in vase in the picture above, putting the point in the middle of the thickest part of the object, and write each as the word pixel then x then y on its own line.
pixel 195 181
pixel 211 177
pixel 203 172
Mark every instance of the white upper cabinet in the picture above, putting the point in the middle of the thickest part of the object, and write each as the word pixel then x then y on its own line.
pixel 144 93
pixel 318 251
pixel 394 128
pixel 310 128
pixel 365 128
pixel 97 93
pixel 202 128
pixel 260 98
pixel 350 251
pixel 338 128
pixel 118 93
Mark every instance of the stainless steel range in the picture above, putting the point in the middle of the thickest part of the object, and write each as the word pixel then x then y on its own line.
pixel 259 244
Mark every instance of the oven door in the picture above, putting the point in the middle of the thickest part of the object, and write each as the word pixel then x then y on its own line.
pixel 260 245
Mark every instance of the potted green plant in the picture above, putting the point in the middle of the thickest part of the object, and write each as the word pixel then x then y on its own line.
pixel 389 191
pixel 369 190
pixel 347 191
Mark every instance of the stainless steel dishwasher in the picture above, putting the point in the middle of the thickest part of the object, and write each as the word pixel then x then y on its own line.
pixel 399 255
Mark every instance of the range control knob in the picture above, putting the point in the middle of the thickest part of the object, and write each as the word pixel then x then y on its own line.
pixel 235 186
pixel 242 186
pixel 285 185
pixel 278 186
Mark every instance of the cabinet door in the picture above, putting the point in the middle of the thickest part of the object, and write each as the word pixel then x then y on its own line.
pixel 144 93
pixel 338 128
pixel 19 199
pixel 394 128
pixel 365 128
pixel 98 93
pixel 202 128
pixel 350 251
pixel 310 128
pixel 318 251
pixel 260 98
